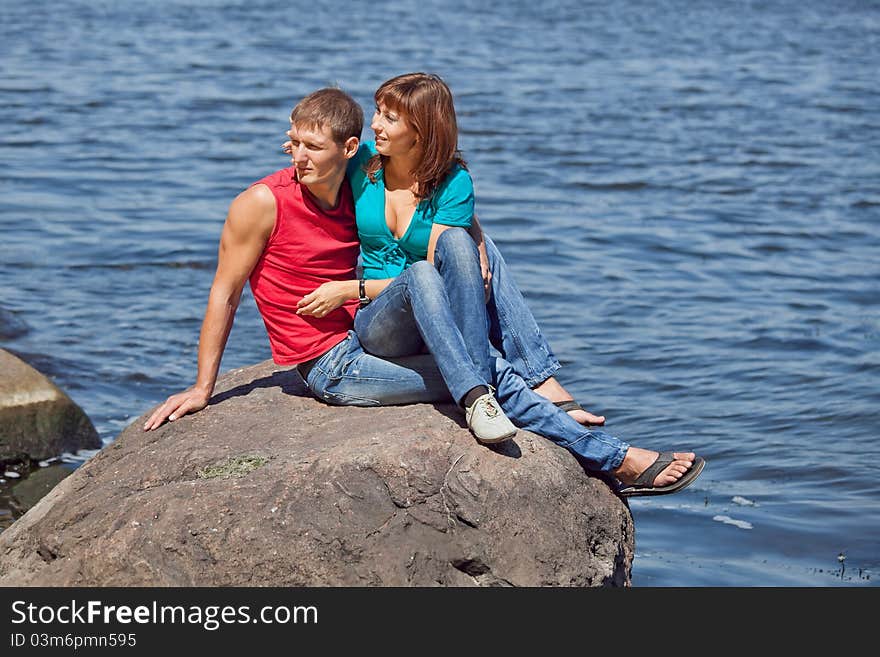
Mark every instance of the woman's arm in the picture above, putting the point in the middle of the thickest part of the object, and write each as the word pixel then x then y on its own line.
pixel 329 296
pixel 476 231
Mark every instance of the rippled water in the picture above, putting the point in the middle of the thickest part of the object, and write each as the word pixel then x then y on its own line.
pixel 689 194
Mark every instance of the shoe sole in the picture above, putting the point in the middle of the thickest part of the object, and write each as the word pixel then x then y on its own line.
pixel 495 441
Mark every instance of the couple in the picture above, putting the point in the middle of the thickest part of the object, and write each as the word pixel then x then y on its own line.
pixel 431 280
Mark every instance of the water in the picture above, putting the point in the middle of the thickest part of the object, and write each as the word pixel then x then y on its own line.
pixel 689 194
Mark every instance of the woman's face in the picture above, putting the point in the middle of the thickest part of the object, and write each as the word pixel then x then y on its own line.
pixel 394 134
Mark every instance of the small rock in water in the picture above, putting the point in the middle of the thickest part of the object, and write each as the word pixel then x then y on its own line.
pixel 11 475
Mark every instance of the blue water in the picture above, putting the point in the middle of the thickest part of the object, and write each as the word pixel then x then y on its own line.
pixel 689 193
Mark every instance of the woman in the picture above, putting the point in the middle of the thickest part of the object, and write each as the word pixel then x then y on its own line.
pixel 424 283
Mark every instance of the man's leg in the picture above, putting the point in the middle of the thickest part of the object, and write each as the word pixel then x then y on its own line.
pixel 513 329
pixel 598 449
pixel 348 376
pixel 529 410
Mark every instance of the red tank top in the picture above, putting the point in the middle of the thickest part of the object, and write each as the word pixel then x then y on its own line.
pixel 308 246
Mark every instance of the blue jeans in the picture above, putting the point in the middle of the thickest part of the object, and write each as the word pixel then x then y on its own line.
pixel 513 330
pixel 348 376
pixel 413 312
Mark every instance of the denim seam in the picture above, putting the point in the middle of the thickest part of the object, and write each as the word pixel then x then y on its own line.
pixel 619 447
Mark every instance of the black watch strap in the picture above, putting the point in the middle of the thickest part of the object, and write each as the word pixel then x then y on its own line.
pixel 362 293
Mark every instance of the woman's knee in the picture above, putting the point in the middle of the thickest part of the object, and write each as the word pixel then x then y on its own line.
pixel 421 273
pixel 456 249
pixel 456 242
pixel 425 287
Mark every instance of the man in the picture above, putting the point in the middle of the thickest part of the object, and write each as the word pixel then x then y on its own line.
pixel 293 231
pixel 288 234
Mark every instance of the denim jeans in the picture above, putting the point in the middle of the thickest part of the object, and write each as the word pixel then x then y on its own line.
pixel 414 311
pixel 420 308
pixel 348 376
pixel 513 330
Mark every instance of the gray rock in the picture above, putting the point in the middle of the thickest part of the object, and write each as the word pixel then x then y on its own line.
pixel 37 419
pixel 268 486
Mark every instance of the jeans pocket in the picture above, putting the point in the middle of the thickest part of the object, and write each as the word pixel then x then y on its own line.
pixel 333 363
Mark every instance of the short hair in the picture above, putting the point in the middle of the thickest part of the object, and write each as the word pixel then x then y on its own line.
pixel 425 100
pixel 332 108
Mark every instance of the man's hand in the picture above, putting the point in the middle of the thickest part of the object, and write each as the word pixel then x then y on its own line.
pixel 326 298
pixel 176 406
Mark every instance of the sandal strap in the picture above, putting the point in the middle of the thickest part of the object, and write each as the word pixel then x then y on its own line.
pixel 650 474
pixel 569 405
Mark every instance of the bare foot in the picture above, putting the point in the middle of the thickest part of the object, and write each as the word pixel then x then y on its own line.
pixel 551 389
pixel 638 460
pixel 586 418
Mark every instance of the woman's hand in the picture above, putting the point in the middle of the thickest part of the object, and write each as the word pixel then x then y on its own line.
pixel 326 298
pixel 485 271
pixel 476 231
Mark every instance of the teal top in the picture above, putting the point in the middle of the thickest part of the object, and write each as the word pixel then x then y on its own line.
pixel 383 255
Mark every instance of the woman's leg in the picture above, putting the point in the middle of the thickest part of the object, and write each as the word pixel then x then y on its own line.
pixel 505 321
pixel 457 260
pixel 416 301
pixel 414 308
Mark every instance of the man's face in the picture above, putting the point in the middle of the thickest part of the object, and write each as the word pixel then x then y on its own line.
pixel 317 157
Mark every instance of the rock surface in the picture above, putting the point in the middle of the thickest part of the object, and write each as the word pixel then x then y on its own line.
pixel 37 419
pixel 395 496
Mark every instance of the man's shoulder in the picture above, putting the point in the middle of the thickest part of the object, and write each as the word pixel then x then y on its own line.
pixel 254 209
pixel 281 178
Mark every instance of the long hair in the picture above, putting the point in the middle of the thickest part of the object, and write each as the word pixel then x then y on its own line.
pixel 425 101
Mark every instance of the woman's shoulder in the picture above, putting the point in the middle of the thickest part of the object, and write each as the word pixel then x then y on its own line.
pixel 366 150
pixel 456 183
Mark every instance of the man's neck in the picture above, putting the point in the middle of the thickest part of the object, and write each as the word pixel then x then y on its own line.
pixel 326 195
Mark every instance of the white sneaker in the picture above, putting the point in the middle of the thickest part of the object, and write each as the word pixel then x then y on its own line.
pixel 487 421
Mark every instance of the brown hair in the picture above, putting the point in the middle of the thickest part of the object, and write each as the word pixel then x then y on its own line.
pixel 332 108
pixel 425 101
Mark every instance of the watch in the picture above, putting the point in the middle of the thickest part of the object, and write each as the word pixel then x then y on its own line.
pixel 362 291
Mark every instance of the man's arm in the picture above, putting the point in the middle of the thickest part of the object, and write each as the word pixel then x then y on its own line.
pixel 248 226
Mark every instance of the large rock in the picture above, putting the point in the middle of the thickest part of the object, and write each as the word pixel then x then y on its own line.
pixel 323 496
pixel 37 420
